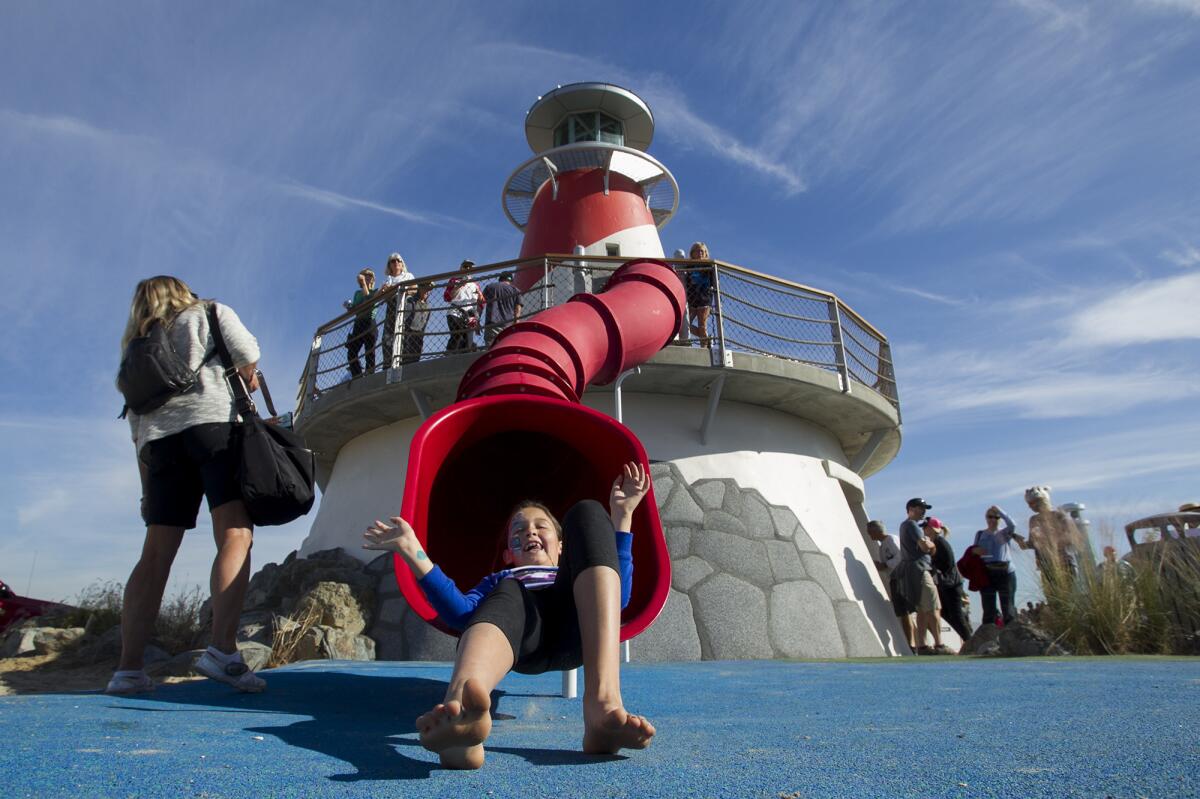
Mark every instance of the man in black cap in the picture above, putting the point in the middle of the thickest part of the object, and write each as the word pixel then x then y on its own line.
pixel 915 579
pixel 503 306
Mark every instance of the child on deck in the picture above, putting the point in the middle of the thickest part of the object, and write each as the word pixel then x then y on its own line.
pixel 535 617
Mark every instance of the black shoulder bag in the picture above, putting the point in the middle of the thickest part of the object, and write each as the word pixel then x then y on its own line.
pixel 276 470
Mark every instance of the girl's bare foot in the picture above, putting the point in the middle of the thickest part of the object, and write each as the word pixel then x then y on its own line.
pixel 456 730
pixel 607 730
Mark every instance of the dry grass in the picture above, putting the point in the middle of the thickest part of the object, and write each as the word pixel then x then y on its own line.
pixel 1147 605
pixel 289 632
pixel 179 627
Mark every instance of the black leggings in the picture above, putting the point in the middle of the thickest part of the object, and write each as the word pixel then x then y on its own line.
pixel 542 625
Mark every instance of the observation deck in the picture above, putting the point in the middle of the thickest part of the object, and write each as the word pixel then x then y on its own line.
pixel 773 343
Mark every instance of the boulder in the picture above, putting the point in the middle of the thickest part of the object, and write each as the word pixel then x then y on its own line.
pixel 1022 639
pixel 984 642
pixel 335 606
pixel 673 635
pixel 255 654
pixel 178 666
pixel 20 642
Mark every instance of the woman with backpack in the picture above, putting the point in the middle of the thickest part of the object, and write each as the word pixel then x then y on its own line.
pixel 186 451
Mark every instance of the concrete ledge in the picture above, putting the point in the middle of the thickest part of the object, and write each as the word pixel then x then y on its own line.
pixel 346 411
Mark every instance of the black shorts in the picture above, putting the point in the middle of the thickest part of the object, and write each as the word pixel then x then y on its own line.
pixel 200 461
pixel 541 625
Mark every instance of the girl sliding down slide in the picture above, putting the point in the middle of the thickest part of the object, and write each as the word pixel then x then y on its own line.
pixel 535 616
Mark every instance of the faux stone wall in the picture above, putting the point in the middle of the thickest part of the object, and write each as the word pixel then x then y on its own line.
pixel 747 583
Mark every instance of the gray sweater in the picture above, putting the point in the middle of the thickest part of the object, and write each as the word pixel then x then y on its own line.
pixel 210 400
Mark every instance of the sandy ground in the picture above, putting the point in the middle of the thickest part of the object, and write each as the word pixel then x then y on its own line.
pixel 42 674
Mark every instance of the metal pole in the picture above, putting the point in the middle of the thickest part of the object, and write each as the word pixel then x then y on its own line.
pixel 309 388
pixel 545 283
pixel 718 355
pixel 835 317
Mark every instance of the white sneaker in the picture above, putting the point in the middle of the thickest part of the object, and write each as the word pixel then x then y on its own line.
pixel 126 683
pixel 231 670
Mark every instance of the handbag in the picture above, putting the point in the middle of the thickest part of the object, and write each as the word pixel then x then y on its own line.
pixel 276 470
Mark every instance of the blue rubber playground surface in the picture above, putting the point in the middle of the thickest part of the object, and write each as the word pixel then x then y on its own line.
pixel 927 728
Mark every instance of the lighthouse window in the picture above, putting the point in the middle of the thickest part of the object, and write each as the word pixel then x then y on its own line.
pixel 591 126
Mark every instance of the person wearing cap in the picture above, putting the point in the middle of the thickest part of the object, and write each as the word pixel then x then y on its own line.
pixel 993 545
pixel 416 319
pixel 466 301
pixel 914 578
pixel 397 272
pixel 955 605
pixel 889 559
pixel 503 306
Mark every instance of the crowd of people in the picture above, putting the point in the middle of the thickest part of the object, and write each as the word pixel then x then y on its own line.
pixel 471 310
pixel 475 314
pixel 928 584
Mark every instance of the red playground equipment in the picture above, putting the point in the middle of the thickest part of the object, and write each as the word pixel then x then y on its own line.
pixel 518 431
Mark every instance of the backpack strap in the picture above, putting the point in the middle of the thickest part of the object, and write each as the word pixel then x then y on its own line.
pixel 241 396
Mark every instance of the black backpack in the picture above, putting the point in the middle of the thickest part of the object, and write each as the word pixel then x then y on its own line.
pixel 152 372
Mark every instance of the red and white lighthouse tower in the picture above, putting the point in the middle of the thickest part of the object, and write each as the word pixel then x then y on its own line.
pixel 590 188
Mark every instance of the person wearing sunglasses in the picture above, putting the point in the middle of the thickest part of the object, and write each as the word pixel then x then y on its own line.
pixel 994 546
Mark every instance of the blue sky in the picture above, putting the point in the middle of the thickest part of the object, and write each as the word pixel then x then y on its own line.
pixel 1009 190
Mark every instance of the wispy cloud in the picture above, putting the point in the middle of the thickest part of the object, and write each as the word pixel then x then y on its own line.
pixel 1055 15
pixel 1187 255
pixel 1186 6
pixel 1154 310
pixel 344 202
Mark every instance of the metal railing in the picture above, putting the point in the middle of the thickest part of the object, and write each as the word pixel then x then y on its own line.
pixel 749 312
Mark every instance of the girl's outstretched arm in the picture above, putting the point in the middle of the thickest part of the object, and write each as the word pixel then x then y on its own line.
pixel 628 491
pixel 401 539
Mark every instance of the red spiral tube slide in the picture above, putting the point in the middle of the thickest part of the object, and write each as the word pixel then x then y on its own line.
pixel 518 432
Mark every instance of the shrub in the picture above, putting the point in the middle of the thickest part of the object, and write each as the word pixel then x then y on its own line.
pixel 1149 604
pixel 179 627
pixel 97 607
pixel 290 631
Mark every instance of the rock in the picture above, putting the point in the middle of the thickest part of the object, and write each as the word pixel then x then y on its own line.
pixel 687 572
pixel 804 542
pixel 255 654
pixel 178 666
pixel 803 624
pixel 392 611
pixel 153 654
pixel 724 522
pixel 335 605
pixel 679 541
pixel 681 508
pixel 102 648
pixel 756 516
pixel 784 521
pixel 673 635
pixel 733 498
pixel 984 642
pixel 857 632
pixel 382 565
pixel 731 616
pixel 20 642
pixel 257 626
pixel 820 568
pixel 426 642
pixel 710 493
pixel 734 555
pixel 784 561
pixel 1021 640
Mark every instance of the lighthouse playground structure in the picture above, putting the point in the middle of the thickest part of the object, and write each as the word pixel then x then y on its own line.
pixel 758 431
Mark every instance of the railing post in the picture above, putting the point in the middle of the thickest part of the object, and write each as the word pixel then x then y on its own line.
pixel 839 349
pixel 397 333
pixel 719 356
pixel 308 385
pixel 888 374
pixel 545 283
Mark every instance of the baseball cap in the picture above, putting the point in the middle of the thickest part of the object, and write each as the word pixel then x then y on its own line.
pixel 917 502
pixel 466 262
pixel 933 522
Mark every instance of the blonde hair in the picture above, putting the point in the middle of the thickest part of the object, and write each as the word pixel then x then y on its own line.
pixel 699 245
pixel 369 274
pixel 159 298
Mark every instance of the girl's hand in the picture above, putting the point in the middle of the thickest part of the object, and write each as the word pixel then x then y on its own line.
pixel 399 538
pixel 627 492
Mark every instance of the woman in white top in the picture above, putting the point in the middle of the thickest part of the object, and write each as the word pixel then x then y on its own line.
pixel 187 450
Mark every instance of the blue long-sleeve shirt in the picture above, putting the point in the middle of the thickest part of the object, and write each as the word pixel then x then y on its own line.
pixel 456 608
pixel 997 546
